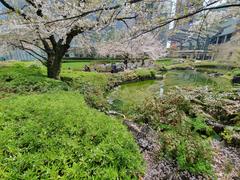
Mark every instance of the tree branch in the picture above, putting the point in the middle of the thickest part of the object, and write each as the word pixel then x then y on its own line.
pixel 8 6
pixel 93 11
pixel 186 16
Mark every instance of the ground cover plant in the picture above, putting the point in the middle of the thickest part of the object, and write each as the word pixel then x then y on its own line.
pixel 183 135
pixel 49 132
pixel 53 117
pixel 23 78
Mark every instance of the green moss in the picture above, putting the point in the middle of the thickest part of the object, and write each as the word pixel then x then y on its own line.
pixel 55 135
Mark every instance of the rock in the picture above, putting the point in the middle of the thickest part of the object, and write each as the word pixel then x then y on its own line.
pixel 218 128
pixel 148 141
pixel 236 80
pixel 217 74
pixel 87 68
pixel 159 77
pixel 236 140
pixel 145 136
pixel 119 67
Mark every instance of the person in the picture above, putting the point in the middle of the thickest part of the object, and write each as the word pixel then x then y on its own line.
pixel 126 63
pixel 87 68
pixel 114 68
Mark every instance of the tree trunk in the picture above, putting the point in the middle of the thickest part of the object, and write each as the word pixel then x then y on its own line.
pixel 54 66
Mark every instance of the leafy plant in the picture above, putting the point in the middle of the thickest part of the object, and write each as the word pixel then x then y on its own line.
pixel 57 136
pixel 170 109
pixel 180 132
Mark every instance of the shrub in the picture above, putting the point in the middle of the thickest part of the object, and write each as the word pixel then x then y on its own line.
pixel 93 86
pixel 183 136
pixel 191 151
pixel 170 109
pixel 56 136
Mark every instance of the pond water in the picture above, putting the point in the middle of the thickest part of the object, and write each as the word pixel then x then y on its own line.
pixel 127 97
pixel 188 78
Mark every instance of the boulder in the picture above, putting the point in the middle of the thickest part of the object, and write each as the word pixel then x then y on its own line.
pixel 217 74
pixel 159 77
pixel 236 80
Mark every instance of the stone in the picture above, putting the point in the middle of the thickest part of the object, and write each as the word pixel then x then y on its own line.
pixel 159 77
pixel 236 80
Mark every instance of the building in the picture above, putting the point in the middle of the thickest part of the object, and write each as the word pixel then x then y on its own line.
pixel 202 43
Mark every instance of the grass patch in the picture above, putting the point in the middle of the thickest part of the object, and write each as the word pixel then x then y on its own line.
pixel 20 78
pixel 56 136
pixel 165 62
pixel 75 66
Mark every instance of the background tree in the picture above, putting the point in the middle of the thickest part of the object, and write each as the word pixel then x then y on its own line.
pixel 144 46
pixel 45 29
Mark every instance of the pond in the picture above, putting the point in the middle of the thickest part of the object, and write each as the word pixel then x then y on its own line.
pixel 192 79
pixel 126 98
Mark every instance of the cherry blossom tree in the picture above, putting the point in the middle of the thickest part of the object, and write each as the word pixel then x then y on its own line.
pixel 46 28
pixel 145 45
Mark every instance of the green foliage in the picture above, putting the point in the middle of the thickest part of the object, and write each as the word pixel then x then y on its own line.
pixel 92 85
pixel 183 136
pixel 170 109
pixel 235 72
pixel 144 74
pixel 227 134
pixel 165 62
pixel 56 136
pixel 21 79
pixel 191 151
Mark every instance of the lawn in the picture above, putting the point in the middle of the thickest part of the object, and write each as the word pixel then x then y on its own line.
pixel 75 65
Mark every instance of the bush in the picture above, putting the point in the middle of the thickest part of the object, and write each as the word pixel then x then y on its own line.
pixel 183 136
pixel 144 74
pixel 56 136
pixel 170 109
pixel 191 151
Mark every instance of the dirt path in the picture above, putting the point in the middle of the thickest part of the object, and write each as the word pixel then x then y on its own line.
pixel 226 161
pixel 157 169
